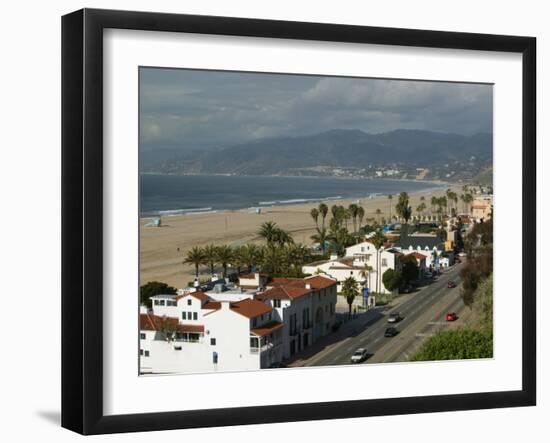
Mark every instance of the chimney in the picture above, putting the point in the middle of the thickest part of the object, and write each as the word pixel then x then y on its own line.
pixel 308 286
pixel 334 256
pixel 226 305
pixel 196 283
pixel 143 309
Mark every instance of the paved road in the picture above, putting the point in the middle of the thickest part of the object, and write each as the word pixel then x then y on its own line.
pixel 423 314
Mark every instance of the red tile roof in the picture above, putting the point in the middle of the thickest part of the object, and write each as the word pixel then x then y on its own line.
pixel 150 322
pixel 200 295
pixel 283 293
pixel 212 305
pixel 267 329
pixel 418 255
pixel 320 282
pixel 250 308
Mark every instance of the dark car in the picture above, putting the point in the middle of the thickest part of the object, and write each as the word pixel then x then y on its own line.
pixel 390 332
pixel 451 284
pixel 394 317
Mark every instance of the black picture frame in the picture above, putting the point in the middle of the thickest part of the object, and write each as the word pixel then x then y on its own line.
pixel 82 190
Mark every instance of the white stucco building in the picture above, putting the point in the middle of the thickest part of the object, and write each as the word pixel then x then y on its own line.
pixel 238 329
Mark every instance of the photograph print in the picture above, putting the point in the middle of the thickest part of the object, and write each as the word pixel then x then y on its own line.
pixel 291 220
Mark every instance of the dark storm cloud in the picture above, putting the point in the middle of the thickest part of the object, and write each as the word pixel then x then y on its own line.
pixel 208 108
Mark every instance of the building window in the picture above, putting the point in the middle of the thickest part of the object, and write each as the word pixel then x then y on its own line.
pixel 189 301
pixel 184 315
pixel 156 302
pixel 276 303
pixel 254 322
pixel 193 337
pixel 142 336
pixel 171 303
pixel 384 262
pixel 146 353
pixel 177 348
pixel 141 352
pixel 212 342
pixel 195 316
pixel 161 302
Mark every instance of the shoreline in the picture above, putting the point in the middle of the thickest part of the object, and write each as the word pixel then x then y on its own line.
pixel 163 249
pixel 172 212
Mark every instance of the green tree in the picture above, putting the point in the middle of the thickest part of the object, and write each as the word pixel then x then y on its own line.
pixel 195 256
pixel 458 344
pixel 315 216
pixel 360 215
pixel 403 208
pixel 378 213
pixel 390 198
pixel 350 290
pixel 224 256
pixel 323 210
pixel 354 212
pixel 211 256
pixel 153 288
pixel 409 269
pixel 250 255
pixel 321 238
pixel 268 231
pixel 392 279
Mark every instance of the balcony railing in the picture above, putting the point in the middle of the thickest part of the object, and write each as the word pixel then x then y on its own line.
pixel 264 348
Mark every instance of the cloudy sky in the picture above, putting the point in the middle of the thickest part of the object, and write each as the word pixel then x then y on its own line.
pixel 195 109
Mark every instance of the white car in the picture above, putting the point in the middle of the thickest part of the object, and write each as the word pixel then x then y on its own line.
pixel 359 355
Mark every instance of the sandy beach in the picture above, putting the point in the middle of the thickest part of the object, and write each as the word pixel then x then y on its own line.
pixel 163 249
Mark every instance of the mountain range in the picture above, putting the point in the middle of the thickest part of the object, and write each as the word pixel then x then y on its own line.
pixel 346 148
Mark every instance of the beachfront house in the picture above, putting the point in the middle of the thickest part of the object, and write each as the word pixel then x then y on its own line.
pixel 431 247
pixel 235 328
pixel 366 256
pixel 338 269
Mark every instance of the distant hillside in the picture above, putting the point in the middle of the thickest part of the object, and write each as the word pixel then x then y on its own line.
pixel 334 148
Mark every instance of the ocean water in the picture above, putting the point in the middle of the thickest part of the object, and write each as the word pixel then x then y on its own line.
pixel 174 194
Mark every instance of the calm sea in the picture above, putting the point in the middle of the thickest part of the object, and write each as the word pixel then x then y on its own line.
pixel 173 194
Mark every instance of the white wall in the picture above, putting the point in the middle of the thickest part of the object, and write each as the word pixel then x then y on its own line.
pixel 30 183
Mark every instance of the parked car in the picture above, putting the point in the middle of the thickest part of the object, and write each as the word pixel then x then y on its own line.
pixel 394 317
pixel 359 355
pixel 451 284
pixel 390 332
pixel 451 316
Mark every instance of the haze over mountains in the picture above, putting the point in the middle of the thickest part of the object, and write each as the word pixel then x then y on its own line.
pixel 338 148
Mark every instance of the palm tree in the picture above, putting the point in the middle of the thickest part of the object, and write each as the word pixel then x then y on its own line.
pixel 378 212
pixel 211 256
pixel 282 237
pixel 353 211
pixel 402 207
pixel 421 207
pixel 268 231
pixel 433 203
pixel 323 210
pixel 195 256
pixel 350 290
pixel 321 238
pixel 250 255
pixel 224 256
pixel 378 241
pixel 366 273
pixel 315 216
pixel 360 215
pixel 272 259
pixel 390 197
pixel 334 211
